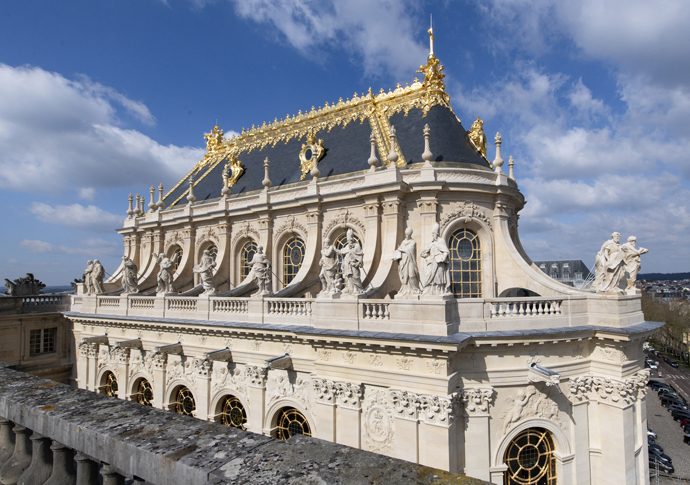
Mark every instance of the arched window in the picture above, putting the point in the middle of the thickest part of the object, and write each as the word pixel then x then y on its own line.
pixel 530 459
pixel 246 254
pixel 465 264
pixel 290 422
pixel 144 393
pixel 109 385
pixel 293 256
pixel 232 413
pixel 175 253
pixel 339 243
pixel 183 401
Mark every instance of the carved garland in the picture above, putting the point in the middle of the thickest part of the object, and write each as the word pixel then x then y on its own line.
pixel 291 225
pixel 467 212
pixel 207 234
pixel 344 219
pixel 245 231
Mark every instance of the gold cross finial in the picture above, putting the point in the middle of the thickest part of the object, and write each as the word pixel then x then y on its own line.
pixel 431 35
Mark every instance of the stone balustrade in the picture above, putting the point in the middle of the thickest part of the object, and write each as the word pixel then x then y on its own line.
pixel 516 308
pixel 53 434
pixel 35 303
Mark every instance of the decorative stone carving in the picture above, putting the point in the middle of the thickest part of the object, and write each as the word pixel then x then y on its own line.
pixel 344 218
pixel 88 281
pixel 477 400
pixel 467 212
pixel 205 270
pixel 436 277
pixel 84 349
pixel 136 362
pixel 529 403
pixel 351 265
pixel 223 377
pixel 130 281
pixel 156 361
pixel 329 269
pixel 324 390
pixel 439 410
pixel 291 225
pixel 119 355
pixel 165 276
pixel 405 403
pixel 609 389
pixel 406 256
pixel 256 376
pixel 279 386
pixel 246 230
pixel 260 272
pixel 477 136
pixel 206 234
pixel 348 394
pixel 378 421
pixel 631 260
pixel 24 286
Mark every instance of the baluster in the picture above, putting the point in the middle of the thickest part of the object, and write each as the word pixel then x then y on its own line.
pixel 521 308
pixel 379 312
pixel 558 307
pixel 110 476
pixel 21 456
pixel 6 441
pixel 87 470
pixel 64 471
pixel 41 461
pixel 367 310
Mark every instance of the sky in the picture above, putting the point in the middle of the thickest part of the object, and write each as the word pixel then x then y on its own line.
pixel 102 99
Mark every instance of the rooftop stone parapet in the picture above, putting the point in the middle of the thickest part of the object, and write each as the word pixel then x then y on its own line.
pixel 34 303
pixel 164 448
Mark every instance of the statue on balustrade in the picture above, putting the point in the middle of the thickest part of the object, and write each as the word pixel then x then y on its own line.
pixel 205 270
pixel 260 271
pixel 406 256
pixel 436 278
pixel 88 282
pixel 609 266
pixel 631 259
pixel 351 265
pixel 130 280
pixel 329 269
pixel 165 276
pixel 97 274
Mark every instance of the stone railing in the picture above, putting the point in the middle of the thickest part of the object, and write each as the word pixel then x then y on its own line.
pixel 34 304
pixel 422 316
pixel 53 432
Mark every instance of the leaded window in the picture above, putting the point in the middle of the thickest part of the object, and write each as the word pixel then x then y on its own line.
pixel 42 341
pixel 530 459
pixel 184 401
pixel 246 254
pixel 144 393
pixel 109 387
pixel 465 264
pixel 232 413
pixel 291 422
pixel 293 256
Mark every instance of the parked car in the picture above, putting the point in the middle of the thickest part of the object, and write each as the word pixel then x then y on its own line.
pixel 677 407
pixel 686 437
pixel 656 385
pixel 684 422
pixel 654 448
pixel 660 465
pixel 669 400
pixel 678 415
pixel 673 364
pixel 660 455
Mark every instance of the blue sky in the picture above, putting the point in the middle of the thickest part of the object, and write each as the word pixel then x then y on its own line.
pixel 100 99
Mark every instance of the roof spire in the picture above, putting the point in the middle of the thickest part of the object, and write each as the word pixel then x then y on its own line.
pixel 431 35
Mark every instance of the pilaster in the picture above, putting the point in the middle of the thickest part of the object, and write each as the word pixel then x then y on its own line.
pixel 158 366
pixel 477 402
pixel 256 394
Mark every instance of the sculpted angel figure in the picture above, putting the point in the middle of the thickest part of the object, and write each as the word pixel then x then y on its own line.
pixel 260 271
pixel 477 136
pixel 205 270
pixel 97 273
pixel 631 260
pixel 609 266
pixel 436 280
pixel 165 276
pixel 406 256
pixel 329 268
pixel 518 409
pixel 351 265
pixel 88 285
pixel 130 282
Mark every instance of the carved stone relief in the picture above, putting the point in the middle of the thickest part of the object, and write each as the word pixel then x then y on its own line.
pixel 279 385
pixel 610 389
pixel 291 225
pixel 344 219
pixel 377 419
pixel 467 212
pixel 531 403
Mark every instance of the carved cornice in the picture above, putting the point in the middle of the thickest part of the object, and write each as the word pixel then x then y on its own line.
pixel 610 389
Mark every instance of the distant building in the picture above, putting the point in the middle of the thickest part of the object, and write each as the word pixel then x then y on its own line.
pixel 573 272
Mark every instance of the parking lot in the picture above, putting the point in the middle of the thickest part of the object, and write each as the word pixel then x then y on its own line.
pixel 669 433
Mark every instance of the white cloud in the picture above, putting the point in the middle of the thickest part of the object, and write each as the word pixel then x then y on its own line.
pixel 68 133
pixel 88 247
pixel 76 215
pixel 37 246
pixel 384 35
pixel 87 193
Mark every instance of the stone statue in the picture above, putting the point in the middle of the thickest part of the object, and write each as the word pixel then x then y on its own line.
pixel 329 268
pixel 477 136
pixel 351 265
pixel 631 260
pixel 24 286
pixel 436 278
pixel 609 266
pixel 517 411
pixel 88 283
pixel 205 269
pixel 97 273
pixel 260 271
pixel 165 276
pixel 406 256
pixel 130 283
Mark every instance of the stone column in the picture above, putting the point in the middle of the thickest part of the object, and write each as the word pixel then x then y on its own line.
pixel 437 431
pixel 202 370
pixel 110 476
pixel 324 409
pixel 6 441
pixel 87 470
pixel 82 366
pixel 122 364
pixel 41 461
pixel 477 443
pixel 406 444
pixel 158 364
pixel 64 471
pixel 256 394
pixel 21 457
pixel 348 414
pixel 91 376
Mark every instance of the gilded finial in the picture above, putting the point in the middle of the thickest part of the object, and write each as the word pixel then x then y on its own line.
pixel 431 35
pixel 477 136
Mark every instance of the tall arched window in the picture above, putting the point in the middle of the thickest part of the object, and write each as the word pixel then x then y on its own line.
pixel 465 264
pixel 246 254
pixel 530 459
pixel 293 256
